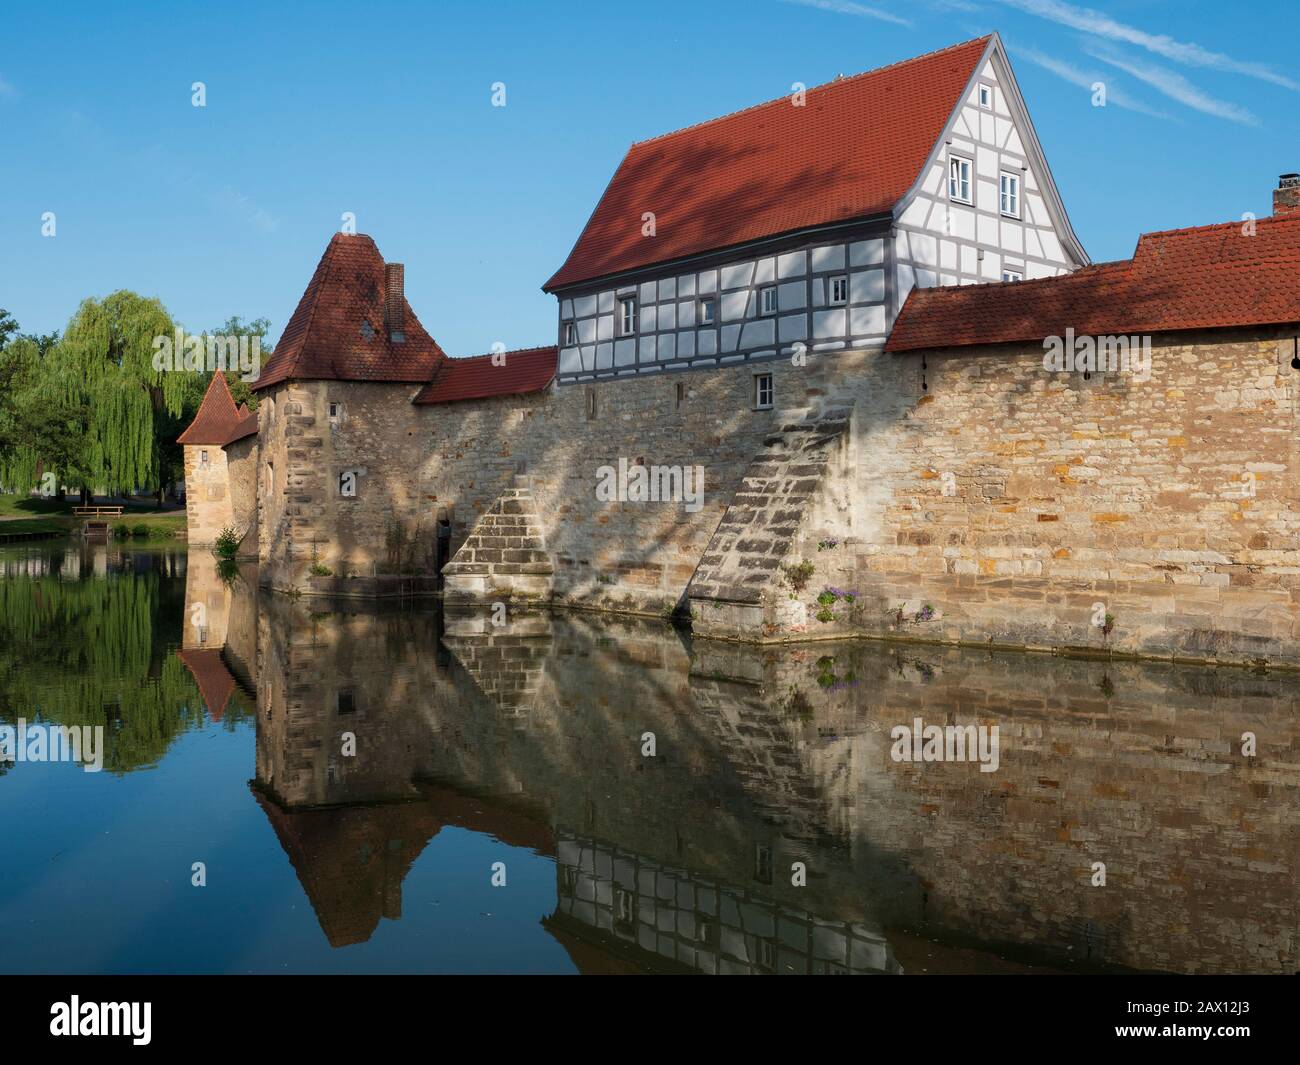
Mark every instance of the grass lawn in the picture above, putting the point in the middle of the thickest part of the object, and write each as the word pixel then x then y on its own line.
pixel 27 514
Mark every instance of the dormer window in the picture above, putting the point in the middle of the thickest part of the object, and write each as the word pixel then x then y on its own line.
pixel 570 334
pixel 1010 191
pixel 627 315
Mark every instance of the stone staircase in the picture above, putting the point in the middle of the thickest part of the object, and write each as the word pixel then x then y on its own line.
pixel 505 554
pixel 740 573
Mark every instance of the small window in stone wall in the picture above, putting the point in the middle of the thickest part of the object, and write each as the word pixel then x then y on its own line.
pixel 591 404
pixel 681 394
pixel 335 414
pixel 763 391
pixel 203 458
pixel 347 701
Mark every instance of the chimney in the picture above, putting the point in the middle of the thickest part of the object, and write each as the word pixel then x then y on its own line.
pixel 1286 197
pixel 394 302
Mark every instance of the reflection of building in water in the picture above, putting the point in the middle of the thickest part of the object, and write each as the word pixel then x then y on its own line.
pixel 703 924
pixel 767 757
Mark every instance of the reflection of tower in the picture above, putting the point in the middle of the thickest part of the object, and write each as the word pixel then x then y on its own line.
pixel 351 860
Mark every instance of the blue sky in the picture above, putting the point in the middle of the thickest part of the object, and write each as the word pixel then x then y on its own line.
pixel 384 109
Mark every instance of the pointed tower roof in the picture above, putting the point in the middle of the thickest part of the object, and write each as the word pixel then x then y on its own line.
pixel 218 420
pixel 353 323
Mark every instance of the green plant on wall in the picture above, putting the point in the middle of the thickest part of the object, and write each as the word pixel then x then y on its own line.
pixel 227 544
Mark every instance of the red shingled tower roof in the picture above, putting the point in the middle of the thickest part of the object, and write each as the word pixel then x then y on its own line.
pixel 340 330
pixel 853 150
pixel 218 420
pixel 1204 278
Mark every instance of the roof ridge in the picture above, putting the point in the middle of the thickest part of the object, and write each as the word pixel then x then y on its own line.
pixel 811 89
pixel 1233 223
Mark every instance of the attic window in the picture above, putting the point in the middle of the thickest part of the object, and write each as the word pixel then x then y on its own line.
pixel 367 331
pixel 959 179
pixel 986 97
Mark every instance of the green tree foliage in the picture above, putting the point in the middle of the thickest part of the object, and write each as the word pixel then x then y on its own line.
pixel 90 406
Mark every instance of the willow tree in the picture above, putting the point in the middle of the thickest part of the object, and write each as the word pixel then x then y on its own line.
pixel 41 428
pixel 106 361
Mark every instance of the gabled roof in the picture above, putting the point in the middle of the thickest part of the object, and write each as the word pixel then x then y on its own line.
pixel 1204 278
pixel 477 377
pixel 853 150
pixel 338 331
pixel 218 421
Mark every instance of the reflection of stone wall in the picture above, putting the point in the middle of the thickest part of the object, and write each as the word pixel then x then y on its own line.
pixel 768 756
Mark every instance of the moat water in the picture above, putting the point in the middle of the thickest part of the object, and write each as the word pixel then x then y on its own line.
pixel 388 788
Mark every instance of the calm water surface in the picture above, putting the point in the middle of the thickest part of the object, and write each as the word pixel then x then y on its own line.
pixel 229 714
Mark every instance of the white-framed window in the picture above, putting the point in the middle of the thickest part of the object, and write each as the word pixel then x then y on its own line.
pixel 763 393
pixel 627 315
pixel 838 289
pixel 1011 194
pixel 767 300
pixel 959 179
pixel 986 97
pixel 706 310
pixel 1012 275
pixel 570 334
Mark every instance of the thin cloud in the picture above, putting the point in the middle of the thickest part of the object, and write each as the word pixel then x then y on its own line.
pixel 1185 52
pixel 1085 80
pixel 1176 87
pixel 848 7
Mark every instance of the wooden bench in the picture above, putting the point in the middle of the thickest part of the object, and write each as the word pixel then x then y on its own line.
pixel 97 512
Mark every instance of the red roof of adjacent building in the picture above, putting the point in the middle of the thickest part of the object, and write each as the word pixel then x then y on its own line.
pixel 218 421
pixel 477 377
pixel 216 685
pixel 339 333
pixel 853 150
pixel 1209 277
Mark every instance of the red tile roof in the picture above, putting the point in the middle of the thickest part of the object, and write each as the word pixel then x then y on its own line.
pixel 853 150
pixel 218 421
pixel 1204 278
pixel 326 340
pixel 477 377
pixel 215 682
